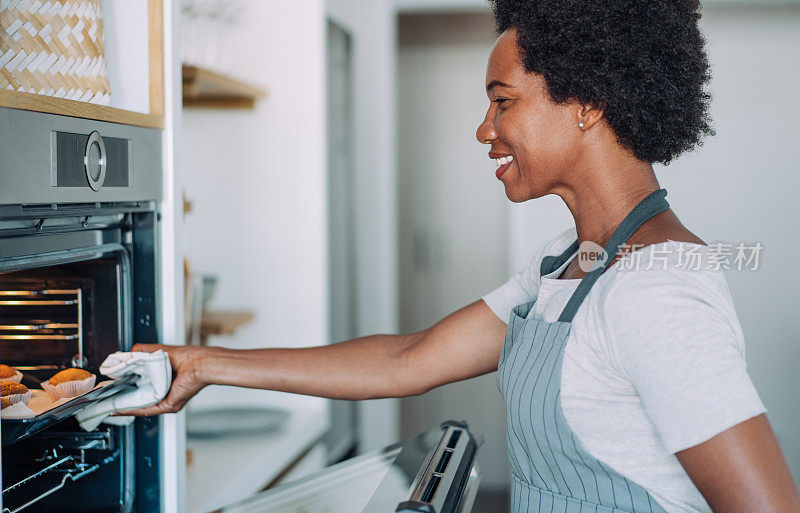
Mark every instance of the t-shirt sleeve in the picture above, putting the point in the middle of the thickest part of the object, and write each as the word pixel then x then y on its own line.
pixel 676 336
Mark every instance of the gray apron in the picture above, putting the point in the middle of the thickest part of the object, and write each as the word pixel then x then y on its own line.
pixel 552 471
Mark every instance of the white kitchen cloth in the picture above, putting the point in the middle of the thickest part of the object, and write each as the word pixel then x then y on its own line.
pixel 155 377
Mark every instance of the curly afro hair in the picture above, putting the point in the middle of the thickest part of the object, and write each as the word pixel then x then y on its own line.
pixel 642 61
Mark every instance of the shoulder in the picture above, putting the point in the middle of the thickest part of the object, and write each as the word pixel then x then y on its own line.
pixel 670 289
pixel 667 269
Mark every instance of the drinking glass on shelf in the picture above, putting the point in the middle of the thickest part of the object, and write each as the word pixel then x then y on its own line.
pixel 208 31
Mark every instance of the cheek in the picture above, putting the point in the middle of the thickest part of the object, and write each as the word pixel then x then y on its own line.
pixel 542 139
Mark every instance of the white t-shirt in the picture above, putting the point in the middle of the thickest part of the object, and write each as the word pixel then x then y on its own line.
pixel 654 362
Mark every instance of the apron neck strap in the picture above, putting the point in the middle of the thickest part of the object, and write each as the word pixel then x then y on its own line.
pixel 652 205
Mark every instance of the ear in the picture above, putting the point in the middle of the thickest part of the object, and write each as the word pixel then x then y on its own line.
pixel 588 115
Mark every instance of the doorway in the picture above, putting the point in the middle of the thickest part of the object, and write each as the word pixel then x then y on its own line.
pixel 452 209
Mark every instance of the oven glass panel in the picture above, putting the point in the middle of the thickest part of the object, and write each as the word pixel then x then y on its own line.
pixel 51 318
pixel 62 316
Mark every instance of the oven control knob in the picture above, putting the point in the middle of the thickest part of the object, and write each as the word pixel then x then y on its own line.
pixel 94 161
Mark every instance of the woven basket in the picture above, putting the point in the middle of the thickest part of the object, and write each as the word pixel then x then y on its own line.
pixel 54 48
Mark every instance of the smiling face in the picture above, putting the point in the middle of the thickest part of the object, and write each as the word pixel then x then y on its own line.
pixel 541 138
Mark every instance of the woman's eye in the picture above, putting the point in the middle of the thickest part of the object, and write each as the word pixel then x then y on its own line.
pixel 500 102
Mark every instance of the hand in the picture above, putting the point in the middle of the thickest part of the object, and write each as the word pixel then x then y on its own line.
pixel 187 378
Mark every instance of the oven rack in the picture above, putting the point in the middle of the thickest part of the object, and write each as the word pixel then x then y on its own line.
pixel 33 330
pixel 68 468
pixel 15 430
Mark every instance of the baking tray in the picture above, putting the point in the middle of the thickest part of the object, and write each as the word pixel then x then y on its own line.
pixel 14 430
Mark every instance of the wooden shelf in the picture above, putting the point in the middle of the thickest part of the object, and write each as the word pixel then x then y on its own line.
pixel 223 323
pixel 206 88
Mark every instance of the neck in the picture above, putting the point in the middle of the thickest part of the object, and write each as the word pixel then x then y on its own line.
pixel 604 192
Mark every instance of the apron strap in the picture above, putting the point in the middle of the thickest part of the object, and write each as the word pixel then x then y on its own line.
pixel 550 263
pixel 652 205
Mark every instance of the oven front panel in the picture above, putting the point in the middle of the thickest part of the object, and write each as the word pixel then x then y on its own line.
pixel 56 159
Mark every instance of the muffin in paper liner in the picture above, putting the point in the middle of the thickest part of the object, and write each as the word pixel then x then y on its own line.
pixel 14 392
pixel 69 388
pixel 19 398
pixel 17 411
pixel 16 377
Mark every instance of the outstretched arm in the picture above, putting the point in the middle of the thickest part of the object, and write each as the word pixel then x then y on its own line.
pixel 463 345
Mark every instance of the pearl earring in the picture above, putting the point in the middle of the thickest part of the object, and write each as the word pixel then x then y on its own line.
pixel 581 125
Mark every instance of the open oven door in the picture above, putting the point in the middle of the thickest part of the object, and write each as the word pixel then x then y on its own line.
pixel 433 472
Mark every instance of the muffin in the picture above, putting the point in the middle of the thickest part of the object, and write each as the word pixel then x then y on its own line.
pixel 14 392
pixel 9 410
pixel 69 383
pixel 69 375
pixel 10 374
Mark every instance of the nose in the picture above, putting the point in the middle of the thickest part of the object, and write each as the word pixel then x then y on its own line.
pixel 486 132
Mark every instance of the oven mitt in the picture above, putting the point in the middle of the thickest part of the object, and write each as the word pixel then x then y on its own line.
pixel 155 377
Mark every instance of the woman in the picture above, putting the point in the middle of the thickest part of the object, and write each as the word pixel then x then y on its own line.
pixel 626 389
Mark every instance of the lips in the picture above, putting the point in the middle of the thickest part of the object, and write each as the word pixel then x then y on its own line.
pixel 502 161
pixel 500 170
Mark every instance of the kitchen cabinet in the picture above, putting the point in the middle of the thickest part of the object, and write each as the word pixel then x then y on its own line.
pixel 134 51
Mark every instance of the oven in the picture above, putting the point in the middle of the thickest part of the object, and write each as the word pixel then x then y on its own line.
pixel 79 256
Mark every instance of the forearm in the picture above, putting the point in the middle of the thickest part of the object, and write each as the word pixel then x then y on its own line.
pixel 363 368
pixel 463 345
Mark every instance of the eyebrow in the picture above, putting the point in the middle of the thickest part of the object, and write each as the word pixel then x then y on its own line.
pixel 494 83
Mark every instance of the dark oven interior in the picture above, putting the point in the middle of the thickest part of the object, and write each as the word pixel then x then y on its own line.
pixel 60 316
pixel 72 306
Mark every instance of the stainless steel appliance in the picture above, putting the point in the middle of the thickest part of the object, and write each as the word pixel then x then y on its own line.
pixel 78 280
pixel 433 472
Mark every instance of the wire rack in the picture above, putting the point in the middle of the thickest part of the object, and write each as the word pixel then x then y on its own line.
pixel 18 301
pixel 63 470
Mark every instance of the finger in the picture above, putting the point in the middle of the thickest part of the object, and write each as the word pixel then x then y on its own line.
pixel 141 412
pixel 157 409
pixel 146 348
pixel 177 397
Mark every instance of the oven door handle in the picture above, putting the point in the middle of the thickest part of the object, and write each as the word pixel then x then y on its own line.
pixel 440 487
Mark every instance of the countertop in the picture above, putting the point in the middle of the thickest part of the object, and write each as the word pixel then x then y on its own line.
pixel 225 470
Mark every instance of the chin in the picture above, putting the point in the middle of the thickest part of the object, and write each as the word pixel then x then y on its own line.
pixel 516 195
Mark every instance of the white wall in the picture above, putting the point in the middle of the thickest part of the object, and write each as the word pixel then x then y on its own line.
pixel 257 182
pixel 371 26
pixel 126 45
pixel 741 186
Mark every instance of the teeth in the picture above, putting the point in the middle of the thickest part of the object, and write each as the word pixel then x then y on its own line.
pixel 504 160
